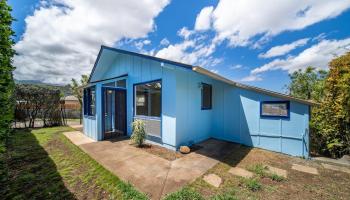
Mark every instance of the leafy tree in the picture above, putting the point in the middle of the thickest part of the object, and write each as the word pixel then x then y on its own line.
pixel 36 101
pixel 77 90
pixel 6 79
pixel 332 117
pixel 308 84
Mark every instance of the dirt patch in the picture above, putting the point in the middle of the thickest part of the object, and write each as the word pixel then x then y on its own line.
pixel 161 152
pixel 167 153
pixel 328 184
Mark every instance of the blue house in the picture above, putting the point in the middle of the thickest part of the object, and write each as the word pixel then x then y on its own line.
pixel 183 104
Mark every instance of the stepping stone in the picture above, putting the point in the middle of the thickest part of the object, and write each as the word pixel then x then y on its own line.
pixel 278 171
pixel 306 169
pixel 336 168
pixel 213 180
pixel 237 171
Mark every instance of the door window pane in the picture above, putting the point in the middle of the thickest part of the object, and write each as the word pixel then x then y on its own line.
pixel 89 101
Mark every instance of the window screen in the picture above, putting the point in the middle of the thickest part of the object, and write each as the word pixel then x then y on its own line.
pixel 275 109
pixel 148 99
pixel 206 96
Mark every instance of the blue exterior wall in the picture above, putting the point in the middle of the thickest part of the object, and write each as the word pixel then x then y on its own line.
pixel 235 113
pixel 235 116
pixel 138 70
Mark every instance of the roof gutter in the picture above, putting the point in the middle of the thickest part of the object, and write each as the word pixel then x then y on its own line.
pixel 247 87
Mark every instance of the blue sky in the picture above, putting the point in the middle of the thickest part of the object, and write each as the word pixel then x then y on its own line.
pixel 253 42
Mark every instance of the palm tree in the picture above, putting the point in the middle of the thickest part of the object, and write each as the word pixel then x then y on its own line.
pixel 77 90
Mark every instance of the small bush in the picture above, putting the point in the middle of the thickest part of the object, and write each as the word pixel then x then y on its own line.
pixel 184 194
pixel 253 184
pixel 138 132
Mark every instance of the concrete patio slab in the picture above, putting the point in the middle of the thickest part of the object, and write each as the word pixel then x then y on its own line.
pixel 278 171
pixel 213 180
pixel 305 169
pixel 336 168
pixel 153 175
pixel 237 171
pixel 77 138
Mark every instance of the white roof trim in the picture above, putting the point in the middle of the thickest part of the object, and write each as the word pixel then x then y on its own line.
pixel 248 87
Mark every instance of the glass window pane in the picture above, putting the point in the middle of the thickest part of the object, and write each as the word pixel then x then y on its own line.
pixel 92 100
pixel 111 84
pixel 155 100
pixel 148 99
pixel 206 96
pixel 274 109
pixel 121 83
pixel 142 95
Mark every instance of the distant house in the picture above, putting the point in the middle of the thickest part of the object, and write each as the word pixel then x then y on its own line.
pixel 183 104
pixel 71 102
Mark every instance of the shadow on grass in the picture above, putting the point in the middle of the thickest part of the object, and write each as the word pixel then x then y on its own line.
pixel 32 173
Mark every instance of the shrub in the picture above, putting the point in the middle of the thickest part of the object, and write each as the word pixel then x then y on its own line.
pixel 138 132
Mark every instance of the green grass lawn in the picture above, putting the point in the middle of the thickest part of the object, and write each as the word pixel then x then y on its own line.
pixel 43 164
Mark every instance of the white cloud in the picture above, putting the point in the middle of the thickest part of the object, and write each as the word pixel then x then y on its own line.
pixel 203 20
pixel 185 33
pixel 283 49
pixel 140 44
pixel 164 42
pixel 61 42
pixel 243 22
pixel 214 71
pixel 177 52
pixel 251 78
pixel 194 51
pixel 238 66
pixel 318 56
pixel 320 37
pixel 146 42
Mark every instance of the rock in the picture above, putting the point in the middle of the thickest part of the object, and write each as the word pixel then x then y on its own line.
pixel 213 180
pixel 306 169
pixel 237 171
pixel 185 149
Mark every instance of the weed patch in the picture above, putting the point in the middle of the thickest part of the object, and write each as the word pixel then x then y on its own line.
pixel 253 184
pixel 184 194
pixel 262 171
